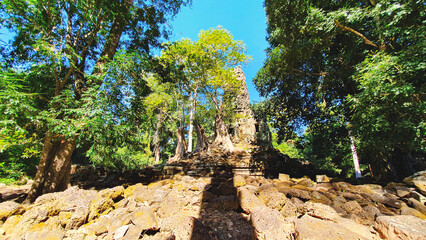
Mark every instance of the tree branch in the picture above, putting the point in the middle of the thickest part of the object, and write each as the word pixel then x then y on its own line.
pixel 91 35
pixel 366 40
pixel 61 84
pixel 113 38
pixel 69 28
pixel 48 15
pixel 320 74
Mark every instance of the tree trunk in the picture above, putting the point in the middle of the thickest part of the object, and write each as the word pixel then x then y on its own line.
pixel 180 148
pixel 156 139
pixel 54 169
pixel 181 134
pixel 354 156
pixel 202 143
pixel 223 140
pixel 191 125
pixel 113 38
pixel 53 173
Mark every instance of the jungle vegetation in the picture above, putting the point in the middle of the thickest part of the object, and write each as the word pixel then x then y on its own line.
pixel 79 83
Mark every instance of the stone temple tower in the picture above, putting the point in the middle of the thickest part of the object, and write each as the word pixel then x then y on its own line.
pixel 244 129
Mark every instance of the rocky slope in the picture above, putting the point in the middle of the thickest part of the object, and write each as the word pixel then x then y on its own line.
pixel 224 207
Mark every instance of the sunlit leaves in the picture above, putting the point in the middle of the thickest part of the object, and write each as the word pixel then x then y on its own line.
pixel 161 99
pixel 388 111
pixel 19 128
pixel 205 67
pixel 90 89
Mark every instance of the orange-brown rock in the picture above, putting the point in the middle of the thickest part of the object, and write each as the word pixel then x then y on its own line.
pixel 312 228
pixel 401 227
pixel 269 224
pixel 406 210
pixel 248 200
pixel 240 207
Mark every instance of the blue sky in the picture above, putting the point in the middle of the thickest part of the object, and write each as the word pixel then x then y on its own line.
pixel 245 19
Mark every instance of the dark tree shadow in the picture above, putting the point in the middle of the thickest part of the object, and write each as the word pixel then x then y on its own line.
pixel 220 214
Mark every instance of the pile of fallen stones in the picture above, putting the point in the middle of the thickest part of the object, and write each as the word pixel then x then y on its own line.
pixel 233 207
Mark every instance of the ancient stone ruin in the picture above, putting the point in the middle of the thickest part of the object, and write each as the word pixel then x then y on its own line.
pixel 256 194
pixel 247 130
pixel 243 130
pixel 224 207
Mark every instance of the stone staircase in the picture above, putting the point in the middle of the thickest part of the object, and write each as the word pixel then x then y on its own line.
pixel 215 163
pixel 258 162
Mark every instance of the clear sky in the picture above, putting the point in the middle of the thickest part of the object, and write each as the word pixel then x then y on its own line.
pixel 245 19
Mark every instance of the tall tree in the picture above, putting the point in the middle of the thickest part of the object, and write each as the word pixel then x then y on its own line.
pixel 77 40
pixel 161 102
pixel 20 132
pixel 179 57
pixel 119 136
pixel 223 54
pixel 316 57
pixel 205 68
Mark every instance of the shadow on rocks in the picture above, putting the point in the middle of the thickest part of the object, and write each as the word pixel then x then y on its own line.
pixel 220 214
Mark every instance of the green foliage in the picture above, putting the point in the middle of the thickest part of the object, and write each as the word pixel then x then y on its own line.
pixel 75 84
pixel 327 146
pixel 116 124
pixel 202 77
pixel 288 150
pixel 388 106
pixel 19 131
pixel 389 111
pixel 185 67
pixel 123 158
pixel 358 61
pixel 207 64
pixel 288 147
pixel 118 146
pixel 222 54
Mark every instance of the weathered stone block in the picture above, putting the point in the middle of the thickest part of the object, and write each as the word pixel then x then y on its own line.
pixel 283 177
pixel 269 224
pixel 401 227
pixel 248 200
pixel 312 228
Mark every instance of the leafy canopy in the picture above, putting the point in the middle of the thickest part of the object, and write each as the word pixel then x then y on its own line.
pixel 73 82
pixel 359 61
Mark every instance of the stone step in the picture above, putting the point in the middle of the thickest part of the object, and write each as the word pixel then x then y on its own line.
pixel 172 167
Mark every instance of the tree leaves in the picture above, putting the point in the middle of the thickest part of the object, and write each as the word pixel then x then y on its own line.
pixel 69 50
pixel 387 108
pixel 20 133
pixel 351 60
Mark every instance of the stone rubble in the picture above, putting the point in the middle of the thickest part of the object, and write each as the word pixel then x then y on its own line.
pixel 223 207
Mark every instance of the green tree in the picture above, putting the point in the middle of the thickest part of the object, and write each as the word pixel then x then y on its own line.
pixel 161 104
pixel 181 59
pixel 205 68
pixel 318 54
pixel 19 131
pixel 187 61
pixel 389 112
pixel 120 138
pixel 325 148
pixel 76 40
pixel 223 54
